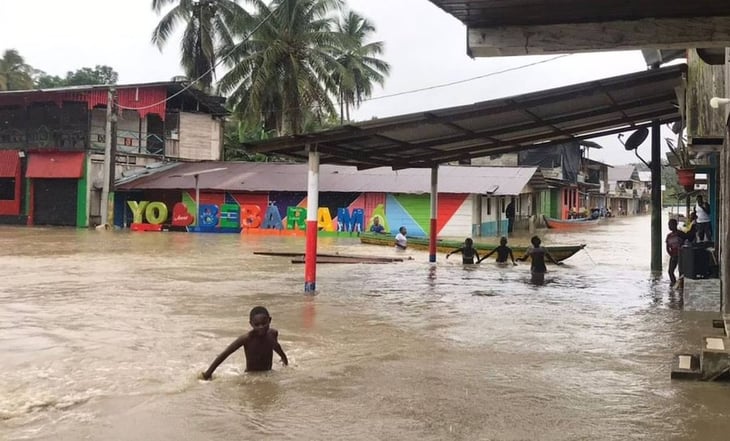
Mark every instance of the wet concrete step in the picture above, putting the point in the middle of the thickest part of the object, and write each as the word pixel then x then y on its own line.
pixel 686 367
pixel 715 357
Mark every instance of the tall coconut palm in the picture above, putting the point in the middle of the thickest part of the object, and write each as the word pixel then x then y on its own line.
pixel 15 74
pixel 207 28
pixel 284 69
pixel 358 67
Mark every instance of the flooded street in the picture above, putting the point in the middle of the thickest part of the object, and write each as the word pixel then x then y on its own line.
pixel 102 335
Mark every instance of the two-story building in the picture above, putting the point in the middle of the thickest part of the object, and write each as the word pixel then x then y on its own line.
pixel 52 144
pixel 575 183
pixel 625 191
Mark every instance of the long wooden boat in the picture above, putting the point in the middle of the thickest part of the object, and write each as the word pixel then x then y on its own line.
pixel 570 224
pixel 560 252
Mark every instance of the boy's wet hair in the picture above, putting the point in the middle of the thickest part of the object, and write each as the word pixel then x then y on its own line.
pixel 503 240
pixel 469 241
pixel 672 223
pixel 535 241
pixel 256 310
pixel 402 229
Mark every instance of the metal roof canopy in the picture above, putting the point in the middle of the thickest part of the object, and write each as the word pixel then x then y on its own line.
pixel 475 13
pixel 426 139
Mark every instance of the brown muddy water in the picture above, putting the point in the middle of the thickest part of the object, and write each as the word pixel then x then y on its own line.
pixel 102 335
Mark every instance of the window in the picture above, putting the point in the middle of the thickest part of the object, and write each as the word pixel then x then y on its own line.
pixel 565 197
pixel 489 206
pixel 7 189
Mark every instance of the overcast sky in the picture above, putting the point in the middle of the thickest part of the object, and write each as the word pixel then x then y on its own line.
pixel 424 46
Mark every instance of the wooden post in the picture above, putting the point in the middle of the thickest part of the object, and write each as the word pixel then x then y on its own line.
pixel 723 238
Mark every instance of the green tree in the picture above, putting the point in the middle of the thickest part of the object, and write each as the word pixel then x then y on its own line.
pixel 358 66
pixel 283 71
pixel 207 26
pixel 81 77
pixel 15 73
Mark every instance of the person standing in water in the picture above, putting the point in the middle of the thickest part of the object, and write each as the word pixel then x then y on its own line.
pixel 468 252
pixel 259 345
pixel 377 227
pixel 537 254
pixel 503 252
pixel 674 242
pixel 400 239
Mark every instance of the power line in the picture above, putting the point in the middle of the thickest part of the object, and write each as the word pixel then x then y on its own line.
pixel 220 60
pixel 479 77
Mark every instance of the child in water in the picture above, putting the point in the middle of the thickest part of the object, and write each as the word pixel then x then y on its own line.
pixel 468 252
pixel 259 345
pixel 503 251
pixel 537 254
pixel 400 239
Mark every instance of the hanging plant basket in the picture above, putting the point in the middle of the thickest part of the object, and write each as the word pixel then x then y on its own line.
pixel 686 178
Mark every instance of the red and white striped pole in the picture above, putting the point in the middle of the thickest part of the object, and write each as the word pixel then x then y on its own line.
pixel 434 214
pixel 310 256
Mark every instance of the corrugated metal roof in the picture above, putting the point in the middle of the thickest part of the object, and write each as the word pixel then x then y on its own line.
pixel 55 165
pixel 645 176
pixel 262 177
pixel 622 173
pixel 422 140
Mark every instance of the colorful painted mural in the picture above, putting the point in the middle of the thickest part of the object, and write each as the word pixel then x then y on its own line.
pixel 286 212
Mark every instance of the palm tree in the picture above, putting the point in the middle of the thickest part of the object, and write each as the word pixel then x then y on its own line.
pixel 283 71
pixel 207 27
pixel 358 66
pixel 15 74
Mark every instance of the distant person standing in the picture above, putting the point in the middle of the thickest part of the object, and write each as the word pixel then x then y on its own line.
pixel 704 227
pixel 377 227
pixel 509 212
pixel 400 239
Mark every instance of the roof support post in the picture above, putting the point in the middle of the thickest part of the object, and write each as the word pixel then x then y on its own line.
pixel 434 214
pixel 310 255
pixel 656 199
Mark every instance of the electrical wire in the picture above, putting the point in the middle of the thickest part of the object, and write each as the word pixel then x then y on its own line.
pixel 466 80
pixel 221 60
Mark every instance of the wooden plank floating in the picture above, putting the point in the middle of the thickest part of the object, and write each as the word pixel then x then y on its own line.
pixel 331 258
pixel 348 260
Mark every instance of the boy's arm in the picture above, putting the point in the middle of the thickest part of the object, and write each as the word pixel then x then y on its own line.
pixel 527 254
pixel 458 250
pixel 512 257
pixel 233 347
pixel 488 254
pixel 278 350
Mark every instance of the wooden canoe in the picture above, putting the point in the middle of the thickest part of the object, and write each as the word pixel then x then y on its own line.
pixel 570 224
pixel 560 252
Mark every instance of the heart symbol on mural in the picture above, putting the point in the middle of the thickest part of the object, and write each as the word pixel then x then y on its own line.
pixel 181 217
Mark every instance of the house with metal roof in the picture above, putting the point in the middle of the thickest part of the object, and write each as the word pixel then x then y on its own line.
pixel 52 143
pixel 471 200
pixel 625 190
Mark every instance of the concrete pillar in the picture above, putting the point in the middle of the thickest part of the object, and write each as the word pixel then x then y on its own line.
pixel 310 255
pixel 723 240
pixel 434 213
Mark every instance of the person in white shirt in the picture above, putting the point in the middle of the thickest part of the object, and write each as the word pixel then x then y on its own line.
pixel 704 227
pixel 400 239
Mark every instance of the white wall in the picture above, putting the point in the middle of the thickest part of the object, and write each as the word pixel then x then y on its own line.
pixel 462 221
pixel 200 137
pixel 128 131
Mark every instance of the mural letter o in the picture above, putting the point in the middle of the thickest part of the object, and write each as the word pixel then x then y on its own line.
pixel 156 213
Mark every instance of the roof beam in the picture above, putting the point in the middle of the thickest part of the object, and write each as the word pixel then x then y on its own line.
pixel 667 33
pixel 490 134
pixel 516 142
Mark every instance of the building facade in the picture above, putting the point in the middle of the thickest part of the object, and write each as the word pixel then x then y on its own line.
pixel 52 144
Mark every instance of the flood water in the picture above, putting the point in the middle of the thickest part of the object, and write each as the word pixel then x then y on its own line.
pixel 102 335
